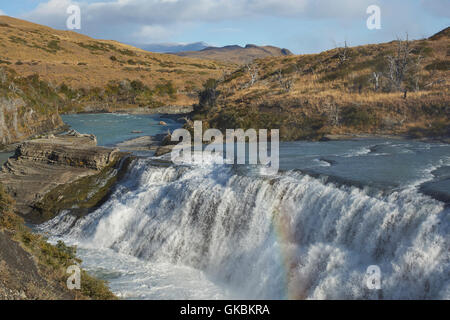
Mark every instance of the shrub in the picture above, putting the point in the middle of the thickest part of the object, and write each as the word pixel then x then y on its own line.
pixel 17 40
pixel 165 89
pixel 357 117
pixel 8 219
pixel 442 65
pixel 54 45
pixel 438 128
pixel 208 96
pixel 94 288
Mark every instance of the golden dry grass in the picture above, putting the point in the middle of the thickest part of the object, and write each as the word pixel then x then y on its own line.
pixel 293 91
pixel 82 62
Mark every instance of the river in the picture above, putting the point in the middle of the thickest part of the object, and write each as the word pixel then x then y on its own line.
pixel 215 231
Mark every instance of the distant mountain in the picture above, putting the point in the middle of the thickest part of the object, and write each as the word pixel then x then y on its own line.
pixel 172 47
pixel 236 54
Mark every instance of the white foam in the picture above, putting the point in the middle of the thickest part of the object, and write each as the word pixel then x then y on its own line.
pixel 253 237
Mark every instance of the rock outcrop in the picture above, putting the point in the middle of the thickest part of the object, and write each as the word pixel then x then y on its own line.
pixel 28 107
pixel 76 152
pixel 19 122
pixel 144 143
pixel 44 168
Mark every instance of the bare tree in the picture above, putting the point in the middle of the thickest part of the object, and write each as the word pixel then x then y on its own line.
pixel 343 53
pixel 416 72
pixel 399 64
pixel 225 75
pixel 333 113
pixel 298 70
pixel 285 84
pixel 280 77
pixel 13 87
pixel 288 85
pixel 376 80
pixel 253 72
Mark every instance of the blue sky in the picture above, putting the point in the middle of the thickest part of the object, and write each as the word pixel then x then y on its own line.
pixel 303 26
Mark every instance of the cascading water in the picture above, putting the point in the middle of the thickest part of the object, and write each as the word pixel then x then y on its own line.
pixel 289 236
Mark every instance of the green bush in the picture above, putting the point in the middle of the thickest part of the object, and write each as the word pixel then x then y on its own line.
pixel 54 45
pixel 54 259
pixel 94 288
pixel 8 219
pixel 166 88
pixel 442 65
pixel 357 117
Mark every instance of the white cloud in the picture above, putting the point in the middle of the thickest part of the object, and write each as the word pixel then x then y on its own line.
pixel 166 12
pixel 2 13
pixel 52 13
pixel 153 33
pixel 155 20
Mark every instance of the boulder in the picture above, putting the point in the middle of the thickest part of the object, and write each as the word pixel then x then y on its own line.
pixel 41 165
pixel 162 150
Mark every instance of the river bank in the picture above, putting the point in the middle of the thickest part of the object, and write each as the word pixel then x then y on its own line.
pixel 164 110
pixel 44 177
pixel 404 137
pixel 42 171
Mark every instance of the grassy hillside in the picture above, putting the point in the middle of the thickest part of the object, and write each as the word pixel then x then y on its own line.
pixel 31 268
pixel 236 54
pixel 399 87
pixel 80 62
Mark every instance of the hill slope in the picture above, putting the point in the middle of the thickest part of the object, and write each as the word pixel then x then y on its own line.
pixel 82 62
pixel 236 54
pixel 399 87
pixel 28 106
pixel 33 269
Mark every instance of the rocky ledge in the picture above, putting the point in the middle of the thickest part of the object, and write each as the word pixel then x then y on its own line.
pixel 48 175
pixel 160 144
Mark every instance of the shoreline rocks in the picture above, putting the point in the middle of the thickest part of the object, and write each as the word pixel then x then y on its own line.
pixel 44 166
pixel 145 143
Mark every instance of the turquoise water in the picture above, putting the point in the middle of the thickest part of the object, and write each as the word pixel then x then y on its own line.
pixel 4 157
pixel 111 128
pixel 384 164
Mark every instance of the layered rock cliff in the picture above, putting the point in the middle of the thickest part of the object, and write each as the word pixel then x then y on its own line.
pixel 48 175
pixel 28 107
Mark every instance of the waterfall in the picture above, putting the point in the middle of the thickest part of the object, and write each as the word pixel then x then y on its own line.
pixel 291 236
